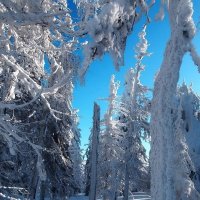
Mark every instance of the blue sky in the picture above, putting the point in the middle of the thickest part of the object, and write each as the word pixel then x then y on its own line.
pixel 98 76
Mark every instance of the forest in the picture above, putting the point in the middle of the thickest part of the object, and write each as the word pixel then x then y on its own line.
pixel 46 50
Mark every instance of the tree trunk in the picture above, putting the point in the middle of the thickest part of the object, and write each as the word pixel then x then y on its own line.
pixel 126 186
pixel 42 190
pixel 163 179
pixel 95 134
pixel 33 184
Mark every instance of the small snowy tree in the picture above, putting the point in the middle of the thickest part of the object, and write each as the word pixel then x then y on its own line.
pixel 110 152
pixel 135 106
pixel 190 103
pixel 183 165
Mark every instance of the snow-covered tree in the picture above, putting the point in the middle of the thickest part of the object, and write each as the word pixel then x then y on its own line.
pixel 183 165
pixel 164 181
pixel 91 167
pixel 190 104
pixel 88 164
pixel 75 154
pixel 135 116
pixel 110 152
pixel 37 70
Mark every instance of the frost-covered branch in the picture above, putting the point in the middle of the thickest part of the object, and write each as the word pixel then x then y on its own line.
pixel 9 132
pixel 195 57
pixel 110 28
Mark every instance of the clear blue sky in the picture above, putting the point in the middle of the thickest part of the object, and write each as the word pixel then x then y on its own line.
pixel 98 76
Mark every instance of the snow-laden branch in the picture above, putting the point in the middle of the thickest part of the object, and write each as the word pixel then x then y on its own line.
pixel 24 19
pixel 29 13
pixel 24 74
pixel 12 189
pixel 109 30
pixel 35 89
pixel 195 57
pixel 8 197
pixel 9 133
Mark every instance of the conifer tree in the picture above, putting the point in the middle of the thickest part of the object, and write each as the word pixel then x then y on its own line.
pixel 135 116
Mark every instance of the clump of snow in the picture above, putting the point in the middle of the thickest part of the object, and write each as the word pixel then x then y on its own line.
pixel 109 30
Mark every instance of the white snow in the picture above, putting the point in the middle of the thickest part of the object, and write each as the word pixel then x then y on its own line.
pixel 136 195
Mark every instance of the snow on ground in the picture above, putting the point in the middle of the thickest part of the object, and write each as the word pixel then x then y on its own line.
pixel 136 195
pixel 79 197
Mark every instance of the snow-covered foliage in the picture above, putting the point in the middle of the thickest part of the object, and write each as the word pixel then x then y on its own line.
pixel 164 180
pixel 195 57
pixel 37 69
pixel 190 103
pixel 135 117
pixel 110 23
pixel 75 154
pixel 110 151
pixel 183 165
pixel 88 165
